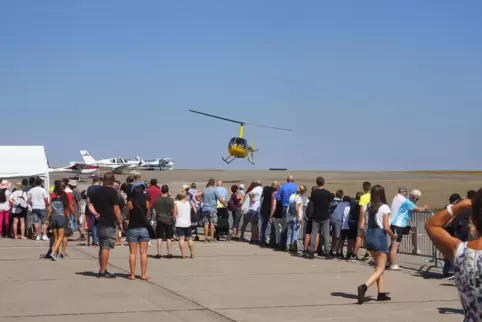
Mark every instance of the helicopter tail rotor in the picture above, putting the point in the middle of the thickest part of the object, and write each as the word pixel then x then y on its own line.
pixel 252 151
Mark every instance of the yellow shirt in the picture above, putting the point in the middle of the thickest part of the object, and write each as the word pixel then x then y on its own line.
pixel 51 189
pixel 365 199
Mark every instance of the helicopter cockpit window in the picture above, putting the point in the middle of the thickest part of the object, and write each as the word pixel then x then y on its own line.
pixel 239 142
pixel 112 160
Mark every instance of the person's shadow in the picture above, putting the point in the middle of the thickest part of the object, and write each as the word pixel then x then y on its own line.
pixel 96 274
pixel 449 310
pixel 351 296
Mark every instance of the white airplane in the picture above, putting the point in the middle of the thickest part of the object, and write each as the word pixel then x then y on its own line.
pixel 158 163
pixel 77 169
pixel 116 165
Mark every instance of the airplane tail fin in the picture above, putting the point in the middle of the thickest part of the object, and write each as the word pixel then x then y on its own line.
pixel 87 157
pixel 139 159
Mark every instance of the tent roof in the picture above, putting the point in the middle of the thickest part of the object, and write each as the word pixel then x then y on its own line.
pixel 23 161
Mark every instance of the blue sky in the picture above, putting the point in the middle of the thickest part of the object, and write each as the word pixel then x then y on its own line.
pixel 365 85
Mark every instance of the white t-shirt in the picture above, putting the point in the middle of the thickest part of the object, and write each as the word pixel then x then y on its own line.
pixel 384 209
pixel 37 196
pixel 255 203
pixel 293 201
pixel 183 218
pixel 5 206
pixel 396 203
pixel 346 217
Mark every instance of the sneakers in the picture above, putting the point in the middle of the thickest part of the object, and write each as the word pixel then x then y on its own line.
pixel 38 238
pixel 362 289
pixel 45 238
pixel 54 257
pixel 395 267
pixel 106 274
pixel 383 297
pixel 64 256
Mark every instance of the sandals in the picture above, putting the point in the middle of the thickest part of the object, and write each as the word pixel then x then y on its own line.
pixel 144 278
pixel 131 278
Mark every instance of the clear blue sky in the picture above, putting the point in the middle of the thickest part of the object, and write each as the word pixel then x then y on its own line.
pixel 116 78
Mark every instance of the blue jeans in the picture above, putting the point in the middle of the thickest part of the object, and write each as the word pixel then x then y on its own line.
pixel 264 228
pixel 292 233
pixel 95 239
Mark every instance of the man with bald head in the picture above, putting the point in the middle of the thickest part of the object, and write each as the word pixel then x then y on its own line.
pixel 282 200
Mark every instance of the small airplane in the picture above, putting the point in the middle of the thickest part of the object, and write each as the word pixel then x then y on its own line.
pixel 77 169
pixel 116 165
pixel 238 147
pixel 158 163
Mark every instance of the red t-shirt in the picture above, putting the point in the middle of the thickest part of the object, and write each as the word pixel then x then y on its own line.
pixel 153 192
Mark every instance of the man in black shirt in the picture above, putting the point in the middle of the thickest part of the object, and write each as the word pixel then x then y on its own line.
pixel 321 199
pixel 104 204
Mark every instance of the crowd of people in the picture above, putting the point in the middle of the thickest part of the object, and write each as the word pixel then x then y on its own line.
pixel 285 217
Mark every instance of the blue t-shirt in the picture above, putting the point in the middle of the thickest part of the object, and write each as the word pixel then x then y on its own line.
pixel 222 192
pixel 210 199
pixel 284 193
pixel 405 213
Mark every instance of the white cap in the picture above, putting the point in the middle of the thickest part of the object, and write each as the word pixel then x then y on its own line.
pixel 73 183
pixel 241 186
pixel 416 193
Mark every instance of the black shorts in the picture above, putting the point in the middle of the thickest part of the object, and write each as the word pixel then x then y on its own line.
pixel 399 231
pixel 309 227
pixel 164 231
pixel 22 214
pixel 349 234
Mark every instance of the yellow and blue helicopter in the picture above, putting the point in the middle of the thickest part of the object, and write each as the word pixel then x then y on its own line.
pixel 238 147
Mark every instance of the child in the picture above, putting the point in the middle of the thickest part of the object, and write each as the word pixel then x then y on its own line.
pixel 89 221
pixel 347 232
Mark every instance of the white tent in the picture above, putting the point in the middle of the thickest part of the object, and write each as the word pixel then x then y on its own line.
pixel 24 162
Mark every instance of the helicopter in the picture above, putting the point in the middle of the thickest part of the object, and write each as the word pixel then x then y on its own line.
pixel 238 147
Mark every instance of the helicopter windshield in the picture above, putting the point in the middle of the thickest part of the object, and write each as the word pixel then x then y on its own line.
pixel 239 142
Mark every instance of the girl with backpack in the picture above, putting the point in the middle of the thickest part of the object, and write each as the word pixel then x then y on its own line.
pixel 19 200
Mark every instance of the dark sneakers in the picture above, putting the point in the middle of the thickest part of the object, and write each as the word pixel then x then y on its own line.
pixel 362 289
pixel 383 297
pixel 105 274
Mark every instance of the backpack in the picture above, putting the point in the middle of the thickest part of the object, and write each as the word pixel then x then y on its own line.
pixel 21 202
pixel 310 210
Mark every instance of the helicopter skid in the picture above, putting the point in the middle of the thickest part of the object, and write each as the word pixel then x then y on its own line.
pixel 229 159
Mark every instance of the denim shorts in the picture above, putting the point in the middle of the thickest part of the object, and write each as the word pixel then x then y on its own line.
pixel 39 216
pixel 376 240
pixel 185 232
pixel 58 222
pixel 138 235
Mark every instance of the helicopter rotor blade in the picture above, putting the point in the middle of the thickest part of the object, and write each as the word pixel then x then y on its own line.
pixel 268 127
pixel 217 117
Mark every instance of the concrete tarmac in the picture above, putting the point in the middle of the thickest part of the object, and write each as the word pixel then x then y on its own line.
pixel 225 282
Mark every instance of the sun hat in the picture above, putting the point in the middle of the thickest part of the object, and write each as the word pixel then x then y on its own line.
pixel 5 184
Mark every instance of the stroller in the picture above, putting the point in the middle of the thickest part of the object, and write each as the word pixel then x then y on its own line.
pixel 222 229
